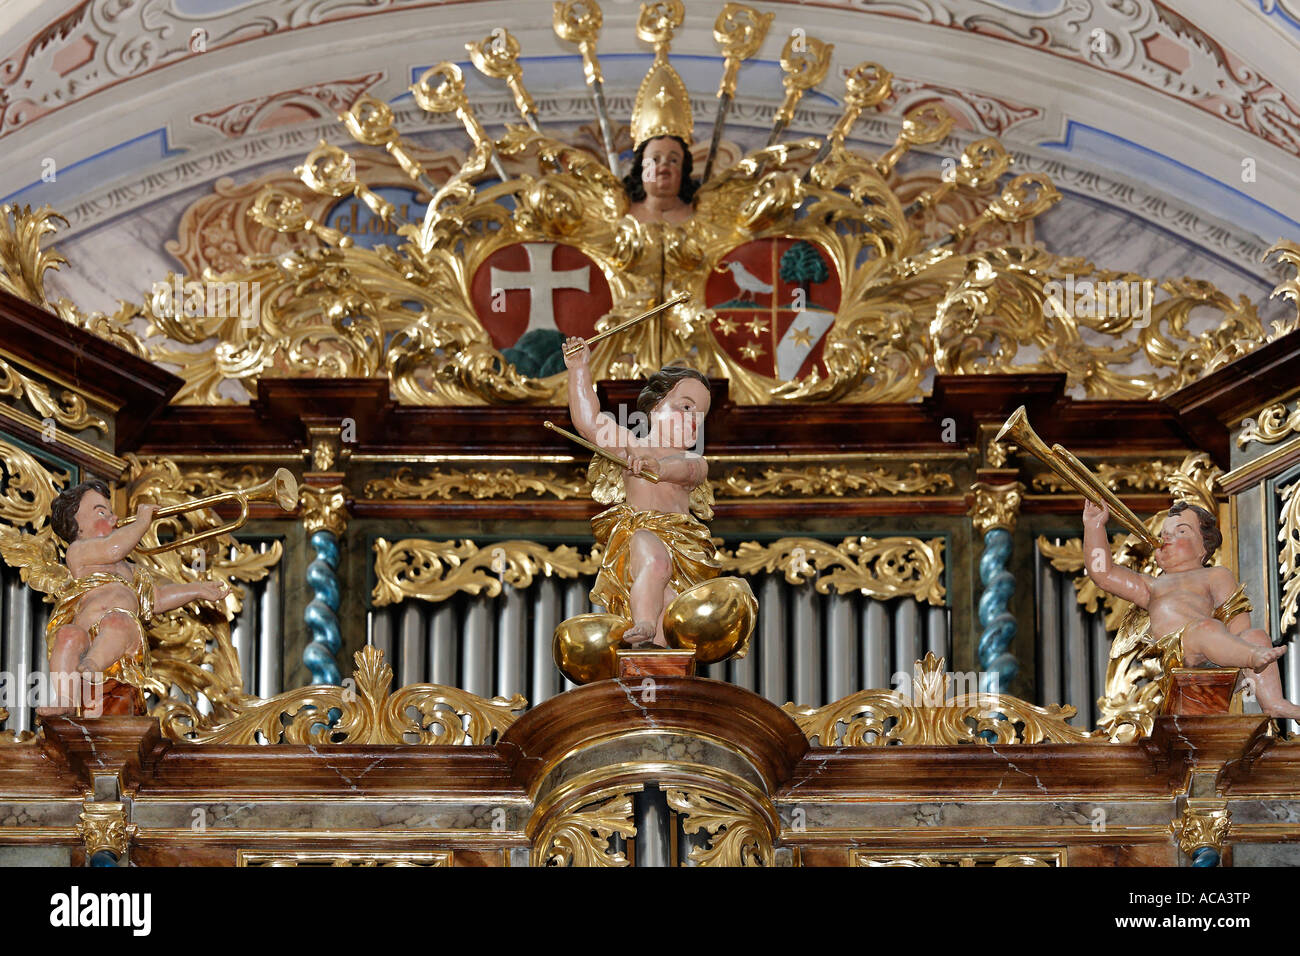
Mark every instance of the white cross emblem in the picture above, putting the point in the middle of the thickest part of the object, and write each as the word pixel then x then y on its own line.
pixel 541 281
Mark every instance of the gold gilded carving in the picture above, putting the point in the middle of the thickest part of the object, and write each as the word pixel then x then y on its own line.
pixel 23 263
pixel 1138 476
pixel 1270 426
pixel 324 508
pixel 958 858
pixel 103 826
pixel 369 714
pixel 837 480
pixel 1204 823
pixel 1288 557
pixel 1289 252
pixel 995 506
pixel 881 568
pixel 335 858
pixel 738 835
pixel 581 836
pixel 932 716
pixel 739 31
pixel 69 410
pixel 435 570
pixel 804 65
pixel 454 483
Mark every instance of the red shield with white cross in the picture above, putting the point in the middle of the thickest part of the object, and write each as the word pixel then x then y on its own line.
pixel 533 286
pixel 774 301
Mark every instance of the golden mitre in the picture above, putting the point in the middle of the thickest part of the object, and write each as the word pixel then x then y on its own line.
pixel 663 105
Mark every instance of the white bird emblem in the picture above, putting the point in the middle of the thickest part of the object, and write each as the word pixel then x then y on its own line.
pixel 748 282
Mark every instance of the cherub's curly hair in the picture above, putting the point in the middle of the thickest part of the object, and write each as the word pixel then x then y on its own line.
pixel 63 512
pixel 636 188
pixel 661 383
pixel 1210 532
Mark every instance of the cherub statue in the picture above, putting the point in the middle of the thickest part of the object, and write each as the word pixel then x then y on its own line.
pixel 1198 612
pixel 97 628
pixel 659 184
pixel 654 548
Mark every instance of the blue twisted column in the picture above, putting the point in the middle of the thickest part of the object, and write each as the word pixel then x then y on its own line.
pixel 993 511
pixel 321 614
pixel 324 515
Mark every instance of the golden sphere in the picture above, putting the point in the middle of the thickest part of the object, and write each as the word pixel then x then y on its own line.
pixel 585 646
pixel 714 618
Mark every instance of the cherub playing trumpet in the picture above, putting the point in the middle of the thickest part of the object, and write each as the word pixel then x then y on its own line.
pixel 99 656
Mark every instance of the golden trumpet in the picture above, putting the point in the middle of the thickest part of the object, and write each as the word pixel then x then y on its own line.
pixel 281 488
pixel 648 474
pixel 1075 473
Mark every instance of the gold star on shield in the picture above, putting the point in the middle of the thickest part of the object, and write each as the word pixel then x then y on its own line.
pixel 802 337
pixel 725 326
pixel 757 326
pixel 752 350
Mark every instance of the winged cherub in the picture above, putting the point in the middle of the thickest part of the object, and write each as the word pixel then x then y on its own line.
pixel 654 548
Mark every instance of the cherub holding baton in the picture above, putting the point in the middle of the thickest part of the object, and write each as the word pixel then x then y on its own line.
pixel 653 547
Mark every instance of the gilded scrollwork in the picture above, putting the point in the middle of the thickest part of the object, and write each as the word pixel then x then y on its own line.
pixel 435 570
pixel 477 484
pixel 957 858
pixel 1270 426
pixel 1288 556
pixel 580 836
pixel 738 834
pixel 69 409
pixel 932 715
pixel 370 712
pixel 839 480
pixel 1136 476
pixel 882 568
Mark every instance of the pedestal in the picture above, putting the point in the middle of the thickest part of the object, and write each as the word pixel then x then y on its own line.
pixel 1202 690
pixel 637 663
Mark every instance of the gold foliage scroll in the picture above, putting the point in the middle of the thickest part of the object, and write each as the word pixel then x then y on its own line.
pixel 69 410
pixel 1270 426
pixel 882 568
pixel 837 480
pixel 370 713
pixel 435 570
pixel 1004 302
pixel 738 835
pixel 1288 557
pixel 580 836
pixel 1137 476
pixel 932 716
pixel 477 484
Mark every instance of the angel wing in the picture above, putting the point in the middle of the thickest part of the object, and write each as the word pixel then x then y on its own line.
pixel 607 487
pixel 37 558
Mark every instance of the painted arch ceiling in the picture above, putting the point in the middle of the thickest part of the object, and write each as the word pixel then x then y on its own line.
pixel 1172 129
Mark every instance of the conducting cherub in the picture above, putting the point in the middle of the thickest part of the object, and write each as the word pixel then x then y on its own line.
pixel 653 547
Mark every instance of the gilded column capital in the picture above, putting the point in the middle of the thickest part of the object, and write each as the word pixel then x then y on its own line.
pixel 103 826
pixel 994 506
pixel 1203 825
pixel 324 508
